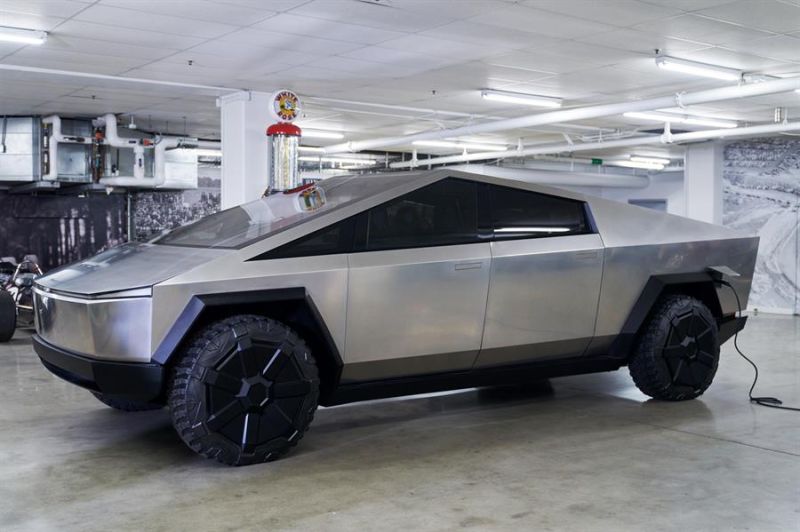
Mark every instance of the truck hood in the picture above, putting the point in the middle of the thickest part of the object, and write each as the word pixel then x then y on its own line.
pixel 126 267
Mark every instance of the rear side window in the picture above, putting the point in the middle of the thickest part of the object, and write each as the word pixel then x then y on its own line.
pixel 441 214
pixel 524 214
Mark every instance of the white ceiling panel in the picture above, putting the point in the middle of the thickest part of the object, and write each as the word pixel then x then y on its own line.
pixel 115 34
pixel 702 29
pixel 768 15
pixel 539 62
pixel 284 43
pixel 377 15
pixel 488 35
pixel 129 18
pixel 642 42
pixel 523 18
pixel 441 47
pixel 43 8
pixel 783 47
pixel 688 5
pixel 316 27
pixel 31 22
pixel 733 59
pixel 89 45
pixel 614 12
pixel 199 10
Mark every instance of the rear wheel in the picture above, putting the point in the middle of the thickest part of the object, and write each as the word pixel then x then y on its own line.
pixel 677 354
pixel 244 391
pixel 126 405
pixel 8 316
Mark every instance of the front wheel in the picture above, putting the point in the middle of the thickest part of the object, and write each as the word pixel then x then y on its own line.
pixel 244 391
pixel 676 356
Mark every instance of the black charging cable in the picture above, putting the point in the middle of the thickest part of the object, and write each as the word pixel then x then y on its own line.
pixel 771 402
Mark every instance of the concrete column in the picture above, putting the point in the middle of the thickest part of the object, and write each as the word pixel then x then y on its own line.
pixel 702 181
pixel 245 165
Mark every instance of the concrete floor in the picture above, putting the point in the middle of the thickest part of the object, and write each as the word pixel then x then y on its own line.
pixel 581 453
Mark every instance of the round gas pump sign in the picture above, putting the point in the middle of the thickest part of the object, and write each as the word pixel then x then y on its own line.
pixel 285 105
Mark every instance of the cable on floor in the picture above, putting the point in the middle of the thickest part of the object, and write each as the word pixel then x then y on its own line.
pixel 771 402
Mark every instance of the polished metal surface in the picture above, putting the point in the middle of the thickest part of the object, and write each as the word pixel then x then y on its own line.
pixel 405 312
pixel 113 329
pixel 542 291
pixel 324 278
pixel 126 267
pixel 412 303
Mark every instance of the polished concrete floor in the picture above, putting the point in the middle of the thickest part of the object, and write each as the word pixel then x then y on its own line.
pixel 580 453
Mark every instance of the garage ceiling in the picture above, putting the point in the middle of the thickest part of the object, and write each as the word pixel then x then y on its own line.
pixel 429 55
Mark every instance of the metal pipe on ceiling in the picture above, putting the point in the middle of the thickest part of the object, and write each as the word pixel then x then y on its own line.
pixel 580 113
pixel 621 143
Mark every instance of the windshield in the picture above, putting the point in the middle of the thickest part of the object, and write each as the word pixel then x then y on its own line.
pixel 240 226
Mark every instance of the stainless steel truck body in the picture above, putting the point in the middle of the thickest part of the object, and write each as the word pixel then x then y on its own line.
pixel 381 285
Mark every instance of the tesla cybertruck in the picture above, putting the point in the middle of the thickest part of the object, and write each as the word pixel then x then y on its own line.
pixel 361 287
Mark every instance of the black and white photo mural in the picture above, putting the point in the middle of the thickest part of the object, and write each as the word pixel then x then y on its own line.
pixel 157 211
pixel 762 195
pixel 60 229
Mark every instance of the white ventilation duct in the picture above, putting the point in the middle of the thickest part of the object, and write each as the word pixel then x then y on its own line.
pixel 580 113
pixel 56 138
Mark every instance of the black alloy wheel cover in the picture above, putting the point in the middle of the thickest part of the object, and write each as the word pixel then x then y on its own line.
pixel 255 394
pixel 689 351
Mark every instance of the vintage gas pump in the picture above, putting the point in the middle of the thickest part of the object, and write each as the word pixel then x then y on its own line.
pixel 284 138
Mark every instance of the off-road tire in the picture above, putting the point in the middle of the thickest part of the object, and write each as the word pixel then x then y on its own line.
pixel 244 390
pixel 677 353
pixel 8 316
pixel 126 405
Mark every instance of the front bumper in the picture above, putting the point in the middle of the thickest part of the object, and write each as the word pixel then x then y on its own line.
pixel 135 381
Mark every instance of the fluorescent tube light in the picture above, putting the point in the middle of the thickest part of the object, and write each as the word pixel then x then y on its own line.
pixel 651 160
pixel 460 145
pixel 635 164
pixel 23 36
pixel 682 119
pixel 310 149
pixel 521 98
pixel 208 152
pixel 697 69
pixel 320 134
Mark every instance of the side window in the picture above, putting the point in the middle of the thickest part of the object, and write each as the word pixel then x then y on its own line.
pixel 522 214
pixel 337 238
pixel 441 214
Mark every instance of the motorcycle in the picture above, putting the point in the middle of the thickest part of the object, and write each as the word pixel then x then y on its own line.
pixel 16 296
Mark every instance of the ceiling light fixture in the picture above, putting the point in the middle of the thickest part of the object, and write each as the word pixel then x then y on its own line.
pixel 683 119
pixel 460 145
pixel 650 160
pixel 698 69
pixel 23 36
pixel 320 134
pixel 635 164
pixel 521 98
pixel 310 149
pixel 208 152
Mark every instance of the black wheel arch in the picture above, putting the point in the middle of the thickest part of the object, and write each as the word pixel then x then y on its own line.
pixel 292 306
pixel 699 285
